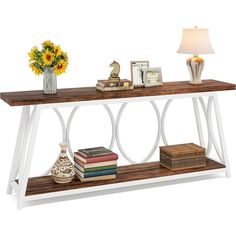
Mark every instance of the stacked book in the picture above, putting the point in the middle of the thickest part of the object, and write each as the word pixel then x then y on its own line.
pixel 97 163
pixel 109 85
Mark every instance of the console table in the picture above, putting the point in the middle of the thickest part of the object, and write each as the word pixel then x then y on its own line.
pixel 34 102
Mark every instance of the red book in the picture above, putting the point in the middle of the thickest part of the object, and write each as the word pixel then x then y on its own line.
pixel 109 157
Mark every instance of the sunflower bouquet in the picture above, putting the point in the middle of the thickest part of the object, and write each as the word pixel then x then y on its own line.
pixel 51 56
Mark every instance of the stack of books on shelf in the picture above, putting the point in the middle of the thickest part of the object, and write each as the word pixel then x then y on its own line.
pixel 96 163
pixel 109 85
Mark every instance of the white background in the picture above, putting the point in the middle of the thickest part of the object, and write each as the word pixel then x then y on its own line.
pixel 94 33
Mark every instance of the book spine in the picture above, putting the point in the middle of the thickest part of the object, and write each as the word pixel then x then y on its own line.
pixel 97 159
pixel 83 153
pixel 91 165
pixel 93 169
pixel 107 84
pixel 118 88
pixel 85 170
pixel 96 173
pixel 100 173
pixel 104 177
pixel 114 84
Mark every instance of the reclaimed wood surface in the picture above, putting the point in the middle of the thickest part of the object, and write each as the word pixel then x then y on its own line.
pixel 45 184
pixel 22 98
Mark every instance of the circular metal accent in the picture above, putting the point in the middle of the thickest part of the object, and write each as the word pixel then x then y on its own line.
pixel 69 125
pixel 157 137
pixel 163 133
pixel 207 112
pixel 63 127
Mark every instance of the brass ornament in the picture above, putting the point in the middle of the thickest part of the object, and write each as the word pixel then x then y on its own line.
pixel 114 75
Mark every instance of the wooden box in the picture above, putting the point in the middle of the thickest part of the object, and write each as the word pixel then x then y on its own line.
pixel 182 156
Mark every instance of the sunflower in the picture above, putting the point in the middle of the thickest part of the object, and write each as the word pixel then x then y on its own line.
pixel 36 68
pixel 32 53
pixel 47 57
pixel 64 56
pixel 60 67
pixel 50 55
pixel 48 43
pixel 57 50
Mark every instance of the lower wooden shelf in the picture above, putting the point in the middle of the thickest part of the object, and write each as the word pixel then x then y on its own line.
pixel 129 173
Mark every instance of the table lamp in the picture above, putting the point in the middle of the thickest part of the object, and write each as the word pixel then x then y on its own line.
pixel 195 41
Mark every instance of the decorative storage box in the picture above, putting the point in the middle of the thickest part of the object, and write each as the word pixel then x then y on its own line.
pixel 182 156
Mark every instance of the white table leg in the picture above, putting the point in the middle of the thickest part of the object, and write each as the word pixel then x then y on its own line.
pixel 198 121
pixel 204 108
pixel 25 164
pixel 221 135
pixel 18 147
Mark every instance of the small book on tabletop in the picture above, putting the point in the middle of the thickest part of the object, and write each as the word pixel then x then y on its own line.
pixel 109 85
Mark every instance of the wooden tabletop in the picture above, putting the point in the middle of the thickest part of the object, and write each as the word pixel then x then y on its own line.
pixel 22 98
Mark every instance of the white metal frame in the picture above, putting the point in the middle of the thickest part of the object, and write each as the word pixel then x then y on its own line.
pixel 158 136
pixel 28 131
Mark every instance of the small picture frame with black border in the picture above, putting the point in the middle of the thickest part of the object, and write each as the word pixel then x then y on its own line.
pixel 137 68
pixel 152 76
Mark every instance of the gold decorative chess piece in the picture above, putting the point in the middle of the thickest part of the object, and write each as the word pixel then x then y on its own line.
pixel 114 83
pixel 114 75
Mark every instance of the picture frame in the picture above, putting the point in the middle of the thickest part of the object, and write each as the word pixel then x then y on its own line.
pixel 152 76
pixel 137 68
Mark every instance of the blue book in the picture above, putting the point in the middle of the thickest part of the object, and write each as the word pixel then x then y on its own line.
pixel 96 173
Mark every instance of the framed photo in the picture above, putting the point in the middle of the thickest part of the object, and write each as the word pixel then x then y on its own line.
pixel 137 68
pixel 152 76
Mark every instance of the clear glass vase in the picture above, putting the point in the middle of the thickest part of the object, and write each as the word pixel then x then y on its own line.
pixel 49 81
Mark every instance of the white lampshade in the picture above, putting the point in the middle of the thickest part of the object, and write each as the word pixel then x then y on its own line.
pixel 195 41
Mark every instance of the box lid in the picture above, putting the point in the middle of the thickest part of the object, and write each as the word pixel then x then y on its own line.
pixel 182 149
